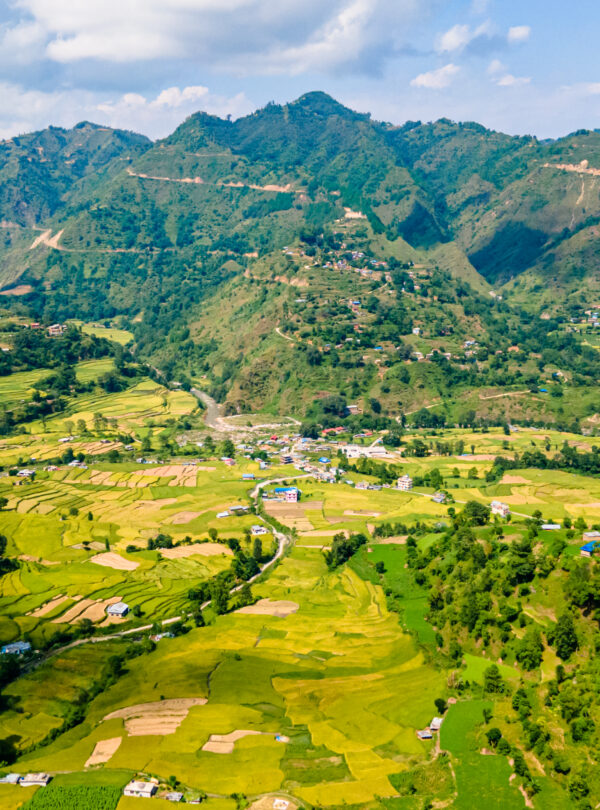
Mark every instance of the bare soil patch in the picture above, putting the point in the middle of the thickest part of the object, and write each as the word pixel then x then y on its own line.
pixel 110 559
pixel 224 743
pixel 182 476
pixel 361 513
pixel 514 479
pixel 158 718
pixel 202 549
pixel 400 540
pixel 103 751
pixel 49 606
pixel 271 607
pixel 29 558
pixel 183 517
pixel 20 289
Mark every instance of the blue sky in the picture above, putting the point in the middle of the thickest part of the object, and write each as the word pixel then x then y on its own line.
pixel 521 67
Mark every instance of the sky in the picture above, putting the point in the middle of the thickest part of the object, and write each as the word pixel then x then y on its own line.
pixel 520 66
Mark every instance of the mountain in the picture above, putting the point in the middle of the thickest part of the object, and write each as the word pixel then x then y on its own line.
pixel 452 232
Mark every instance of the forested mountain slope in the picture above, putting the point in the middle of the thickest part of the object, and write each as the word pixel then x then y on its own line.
pixel 307 199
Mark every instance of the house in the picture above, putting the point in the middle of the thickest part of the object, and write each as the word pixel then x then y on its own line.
pixel 362 485
pixel 550 527
pixel 352 409
pixel 499 508
pixel 119 609
pixel 593 535
pixel 287 459
pixel 16 648
pixel 222 514
pixel 25 473
pixel 248 477
pixel 416 331
pixel 229 462
pixel 425 734
pixel 35 780
pixel 174 796
pixel 439 497
pixel 143 790
pixel 56 329
pixel 290 494
pixel 11 779
pixel 436 724
pixel 324 460
pixel 257 531
pixel 405 483
pixel 589 548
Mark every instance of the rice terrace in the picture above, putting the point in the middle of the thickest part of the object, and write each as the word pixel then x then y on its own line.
pixel 258 625
pixel 299 413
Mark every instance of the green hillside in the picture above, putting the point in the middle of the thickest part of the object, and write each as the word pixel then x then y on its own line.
pixel 457 236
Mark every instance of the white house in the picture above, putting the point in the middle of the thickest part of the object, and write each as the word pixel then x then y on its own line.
pixel 35 780
pixel 118 609
pixel 405 483
pixel 436 724
pixel 499 508
pixel 143 790
pixel 256 531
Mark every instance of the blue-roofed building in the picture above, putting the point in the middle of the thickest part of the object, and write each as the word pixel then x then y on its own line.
pixel 290 494
pixel 16 648
pixel 324 460
pixel 589 548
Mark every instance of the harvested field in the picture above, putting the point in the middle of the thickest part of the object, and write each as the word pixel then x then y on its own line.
pixel 224 743
pixel 183 517
pixel 109 559
pixel 95 545
pixel 273 803
pixel 94 609
pixel 202 549
pixel 400 540
pixel 325 533
pixel 183 476
pixel 103 751
pixel 514 479
pixel 159 718
pixel 96 448
pixel 49 606
pixel 271 607
pixel 29 558
pixel 361 513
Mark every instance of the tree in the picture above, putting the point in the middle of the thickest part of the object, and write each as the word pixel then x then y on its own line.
pixel 565 637
pixel 494 735
pixel 475 513
pixel 228 448
pixel 380 567
pixel 492 680
pixel 3 502
pixel 440 705
pixel 530 650
pixel 219 597
pixel 257 550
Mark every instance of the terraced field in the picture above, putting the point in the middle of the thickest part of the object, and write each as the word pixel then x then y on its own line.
pixel 338 678
pixel 62 525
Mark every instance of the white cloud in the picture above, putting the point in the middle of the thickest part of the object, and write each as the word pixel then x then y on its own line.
pixel 234 35
pixel 508 80
pixel 454 39
pixel 458 37
pixel 495 67
pixel 436 79
pixel 27 110
pixel 519 33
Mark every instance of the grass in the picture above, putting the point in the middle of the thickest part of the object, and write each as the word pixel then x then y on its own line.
pixel 476 775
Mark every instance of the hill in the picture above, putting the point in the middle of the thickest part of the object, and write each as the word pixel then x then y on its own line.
pixel 459 235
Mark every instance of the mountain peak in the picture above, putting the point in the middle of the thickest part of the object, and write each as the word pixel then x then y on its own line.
pixel 322 103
